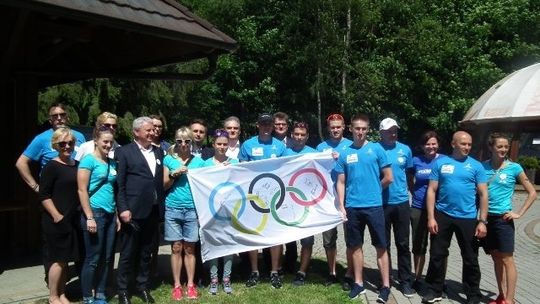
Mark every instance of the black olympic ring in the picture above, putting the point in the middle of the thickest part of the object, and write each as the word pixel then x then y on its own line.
pixel 281 188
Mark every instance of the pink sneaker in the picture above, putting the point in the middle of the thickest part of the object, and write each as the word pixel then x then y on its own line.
pixel 192 292
pixel 498 300
pixel 177 293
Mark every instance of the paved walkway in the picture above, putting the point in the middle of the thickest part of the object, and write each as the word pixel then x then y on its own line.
pixel 25 285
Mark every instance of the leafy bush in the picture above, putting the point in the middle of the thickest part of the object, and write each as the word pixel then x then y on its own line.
pixel 528 162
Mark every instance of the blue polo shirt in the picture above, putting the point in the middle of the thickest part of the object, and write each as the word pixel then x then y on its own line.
pixel 422 170
pixel 41 150
pixel 362 168
pixel 256 149
pixel 305 149
pixel 501 185
pixel 400 158
pixel 458 180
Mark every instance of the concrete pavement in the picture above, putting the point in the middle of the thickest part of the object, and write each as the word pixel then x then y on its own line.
pixel 25 285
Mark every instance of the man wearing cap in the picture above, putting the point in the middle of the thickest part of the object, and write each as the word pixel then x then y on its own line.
pixel 457 201
pixel 337 144
pixel 263 146
pixel 396 201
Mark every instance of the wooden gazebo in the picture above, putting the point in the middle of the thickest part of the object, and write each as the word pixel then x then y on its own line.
pixel 47 42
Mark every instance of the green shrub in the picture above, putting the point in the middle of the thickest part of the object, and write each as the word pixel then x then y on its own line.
pixel 528 162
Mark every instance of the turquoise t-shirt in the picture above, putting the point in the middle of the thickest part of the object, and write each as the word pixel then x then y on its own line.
pixel 362 168
pixel 41 150
pixel 305 149
pixel 400 157
pixel 255 149
pixel 458 180
pixel 179 195
pixel 329 145
pixel 103 198
pixel 501 185
pixel 210 162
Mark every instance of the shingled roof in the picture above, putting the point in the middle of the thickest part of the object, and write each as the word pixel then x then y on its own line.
pixel 66 39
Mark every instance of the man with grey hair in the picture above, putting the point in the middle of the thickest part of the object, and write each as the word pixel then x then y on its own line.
pixel 140 193
pixel 232 125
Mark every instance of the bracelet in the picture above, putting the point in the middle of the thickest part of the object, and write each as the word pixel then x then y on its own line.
pixel 35 186
pixel 90 219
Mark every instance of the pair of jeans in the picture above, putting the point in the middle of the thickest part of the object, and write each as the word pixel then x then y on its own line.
pixel 99 248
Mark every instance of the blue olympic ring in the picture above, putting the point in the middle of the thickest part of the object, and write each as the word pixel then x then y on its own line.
pixel 213 195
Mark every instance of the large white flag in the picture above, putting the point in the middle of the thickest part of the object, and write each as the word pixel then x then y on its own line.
pixel 258 204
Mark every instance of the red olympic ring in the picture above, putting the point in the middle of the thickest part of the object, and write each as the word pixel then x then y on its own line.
pixel 316 200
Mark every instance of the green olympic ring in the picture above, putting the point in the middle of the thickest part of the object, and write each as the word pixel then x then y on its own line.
pixel 236 210
pixel 273 209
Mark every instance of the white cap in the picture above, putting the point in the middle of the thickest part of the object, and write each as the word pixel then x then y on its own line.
pixel 387 123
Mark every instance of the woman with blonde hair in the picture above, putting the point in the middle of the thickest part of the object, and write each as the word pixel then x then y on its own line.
pixel 181 223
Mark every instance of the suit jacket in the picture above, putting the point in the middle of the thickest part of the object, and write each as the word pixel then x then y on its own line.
pixel 138 189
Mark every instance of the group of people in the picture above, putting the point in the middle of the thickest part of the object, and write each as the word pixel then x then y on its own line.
pixel 93 191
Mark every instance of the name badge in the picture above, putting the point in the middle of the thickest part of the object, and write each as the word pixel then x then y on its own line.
pixel 447 169
pixel 352 158
pixel 258 151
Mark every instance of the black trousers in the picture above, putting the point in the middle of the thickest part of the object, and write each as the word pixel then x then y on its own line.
pixel 464 230
pixel 136 246
pixel 398 216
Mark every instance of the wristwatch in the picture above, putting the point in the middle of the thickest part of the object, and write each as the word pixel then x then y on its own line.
pixel 173 175
pixel 485 222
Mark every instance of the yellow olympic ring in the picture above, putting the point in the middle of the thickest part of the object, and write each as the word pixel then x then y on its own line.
pixel 240 227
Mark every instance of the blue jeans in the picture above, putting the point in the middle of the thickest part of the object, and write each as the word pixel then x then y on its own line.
pixel 99 248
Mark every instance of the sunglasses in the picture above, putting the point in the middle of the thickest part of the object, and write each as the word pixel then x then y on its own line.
pixel 63 144
pixel 334 117
pixel 58 115
pixel 183 141
pixel 221 133
pixel 110 126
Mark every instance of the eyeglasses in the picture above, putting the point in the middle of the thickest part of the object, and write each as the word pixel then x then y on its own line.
pixel 221 133
pixel 334 117
pixel 58 115
pixel 281 124
pixel 158 126
pixel 302 125
pixel 110 126
pixel 183 141
pixel 63 144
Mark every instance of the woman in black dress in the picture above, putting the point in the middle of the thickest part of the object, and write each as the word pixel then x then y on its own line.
pixel 59 198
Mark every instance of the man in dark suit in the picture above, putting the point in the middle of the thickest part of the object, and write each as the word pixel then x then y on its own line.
pixel 140 191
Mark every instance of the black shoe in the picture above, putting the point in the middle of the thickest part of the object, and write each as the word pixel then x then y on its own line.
pixel 299 279
pixel 330 280
pixel 347 283
pixel 145 296
pixel 123 298
pixel 253 279
pixel 275 280
pixel 417 285
pixel 431 297
pixel 407 290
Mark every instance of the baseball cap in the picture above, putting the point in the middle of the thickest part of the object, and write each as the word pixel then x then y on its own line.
pixel 387 123
pixel 265 118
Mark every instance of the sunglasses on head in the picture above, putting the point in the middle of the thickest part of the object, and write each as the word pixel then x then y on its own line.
pixel 59 115
pixel 63 144
pixel 181 141
pixel 335 117
pixel 110 126
pixel 221 133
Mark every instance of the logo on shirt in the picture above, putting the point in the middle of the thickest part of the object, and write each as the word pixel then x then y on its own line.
pixel 112 171
pixel 257 151
pixel 273 155
pixel 447 169
pixel 468 166
pixel 352 158
pixel 503 177
pixel 401 160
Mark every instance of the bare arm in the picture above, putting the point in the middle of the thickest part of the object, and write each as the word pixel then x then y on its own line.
pixel 388 177
pixel 481 228
pixel 340 188
pixel 430 206
pixel 410 180
pixel 23 166
pixel 531 197
pixel 83 179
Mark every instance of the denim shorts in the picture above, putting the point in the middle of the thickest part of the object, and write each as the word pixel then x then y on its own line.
pixel 181 224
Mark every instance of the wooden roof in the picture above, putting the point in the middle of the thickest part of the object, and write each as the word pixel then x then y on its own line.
pixel 61 41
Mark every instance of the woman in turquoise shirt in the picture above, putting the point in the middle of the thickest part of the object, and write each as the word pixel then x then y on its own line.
pixel 96 177
pixel 502 176
pixel 181 222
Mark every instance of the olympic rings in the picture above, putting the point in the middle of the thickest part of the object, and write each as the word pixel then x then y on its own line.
pixel 304 202
pixel 213 195
pixel 273 209
pixel 281 189
pixel 239 226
